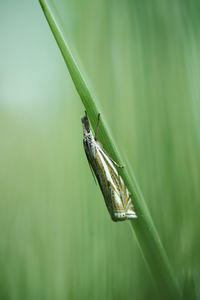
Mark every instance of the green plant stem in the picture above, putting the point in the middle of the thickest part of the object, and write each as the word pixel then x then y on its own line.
pixel 144 229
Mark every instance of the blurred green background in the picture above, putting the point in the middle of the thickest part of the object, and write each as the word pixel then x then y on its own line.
pixel 142 61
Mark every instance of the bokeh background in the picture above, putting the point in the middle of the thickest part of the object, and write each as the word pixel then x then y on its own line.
pixel 142 62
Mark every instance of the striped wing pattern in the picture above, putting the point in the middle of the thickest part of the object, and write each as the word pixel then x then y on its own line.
pixel 115 192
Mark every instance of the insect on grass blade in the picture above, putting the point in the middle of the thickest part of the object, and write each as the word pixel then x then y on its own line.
pixel 115 192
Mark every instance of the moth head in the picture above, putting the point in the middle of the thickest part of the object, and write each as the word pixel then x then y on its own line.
pixel 85 123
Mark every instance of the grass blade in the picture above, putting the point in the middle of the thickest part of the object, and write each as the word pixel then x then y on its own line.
pixel 189 290
pixel 144 229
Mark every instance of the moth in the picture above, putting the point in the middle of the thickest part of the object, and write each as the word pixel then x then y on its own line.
pixel 104 168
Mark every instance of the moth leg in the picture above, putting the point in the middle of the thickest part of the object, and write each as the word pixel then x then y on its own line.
pixel 114 162
pixel 95 136
pixel 97 128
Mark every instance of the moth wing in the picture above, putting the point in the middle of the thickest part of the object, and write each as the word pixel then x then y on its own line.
pixel 120 206
pixel 112 184
pixel 88 158
pixel 93 175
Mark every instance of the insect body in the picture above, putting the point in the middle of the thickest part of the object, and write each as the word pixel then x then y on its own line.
pixel 116 194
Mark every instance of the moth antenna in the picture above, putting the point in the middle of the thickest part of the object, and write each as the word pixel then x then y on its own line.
pixel 97 128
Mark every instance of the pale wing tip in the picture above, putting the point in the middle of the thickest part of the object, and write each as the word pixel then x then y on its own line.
pixel 133 216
